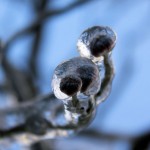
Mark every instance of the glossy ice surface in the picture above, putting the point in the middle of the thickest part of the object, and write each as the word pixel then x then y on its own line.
pixel 100 33
pixel 73 67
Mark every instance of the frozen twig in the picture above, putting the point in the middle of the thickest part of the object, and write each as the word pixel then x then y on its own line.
pixel 75 83
pixel 107 81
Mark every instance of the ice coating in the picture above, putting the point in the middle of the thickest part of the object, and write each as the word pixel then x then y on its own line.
pixel 101 35
pixel 82 68
pixel 56 88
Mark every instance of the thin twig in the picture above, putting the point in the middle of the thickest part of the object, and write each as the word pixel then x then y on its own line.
pixel 107 81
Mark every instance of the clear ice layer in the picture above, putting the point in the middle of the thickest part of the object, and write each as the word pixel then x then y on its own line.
pixel 70 68
pixel 83 43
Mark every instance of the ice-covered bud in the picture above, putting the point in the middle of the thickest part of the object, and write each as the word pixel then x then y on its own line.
pixel 88 75
pixel 95 42
pixel 75 76
pixel 70 85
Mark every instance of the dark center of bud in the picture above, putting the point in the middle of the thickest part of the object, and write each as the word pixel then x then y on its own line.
pixel 87 74
pixel 100 44
pixel 70 85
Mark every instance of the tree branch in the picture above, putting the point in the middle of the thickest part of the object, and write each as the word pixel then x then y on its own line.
pixel 31 28
pixel 39 9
